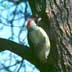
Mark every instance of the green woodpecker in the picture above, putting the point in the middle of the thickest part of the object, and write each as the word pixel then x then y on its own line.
pixel 38 41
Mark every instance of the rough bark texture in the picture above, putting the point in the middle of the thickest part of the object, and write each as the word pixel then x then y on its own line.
pixel 56 20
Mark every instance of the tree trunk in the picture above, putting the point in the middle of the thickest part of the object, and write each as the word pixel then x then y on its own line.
pixel 56 20
pixel 57 23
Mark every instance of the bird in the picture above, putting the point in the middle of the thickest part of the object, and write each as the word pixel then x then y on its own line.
pixel 38 41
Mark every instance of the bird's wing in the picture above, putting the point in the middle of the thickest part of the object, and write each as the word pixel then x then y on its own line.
pixel 36 37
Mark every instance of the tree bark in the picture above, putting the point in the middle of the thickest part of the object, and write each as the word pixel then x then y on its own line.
pixel 57 23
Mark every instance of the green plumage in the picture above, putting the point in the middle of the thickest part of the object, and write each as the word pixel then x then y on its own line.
pixel 39 43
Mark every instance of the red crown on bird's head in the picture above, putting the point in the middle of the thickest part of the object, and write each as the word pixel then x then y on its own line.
pixel 29 22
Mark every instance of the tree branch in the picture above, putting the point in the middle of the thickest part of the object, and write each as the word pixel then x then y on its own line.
pixel 22 51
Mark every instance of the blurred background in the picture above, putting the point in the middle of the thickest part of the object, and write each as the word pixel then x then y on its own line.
pixel 13 21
